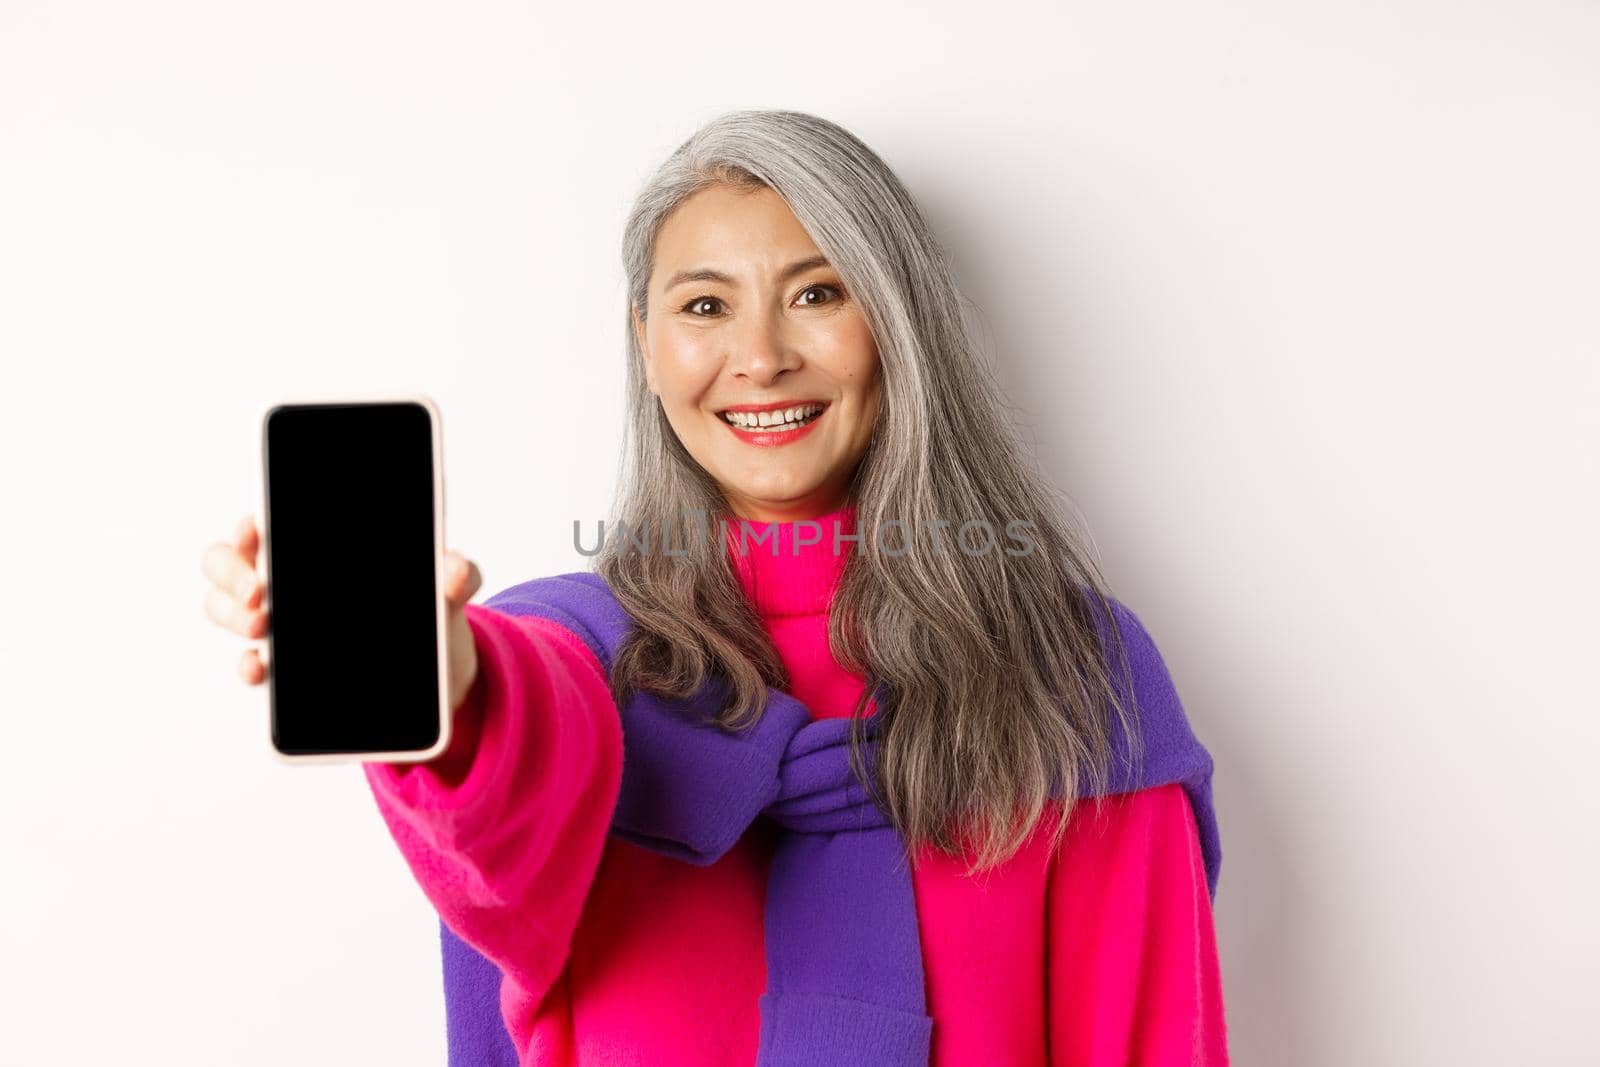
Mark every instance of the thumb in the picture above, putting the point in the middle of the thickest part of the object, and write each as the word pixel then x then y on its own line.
pixel 461 579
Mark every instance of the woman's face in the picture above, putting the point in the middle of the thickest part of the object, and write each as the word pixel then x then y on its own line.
pixel 744 313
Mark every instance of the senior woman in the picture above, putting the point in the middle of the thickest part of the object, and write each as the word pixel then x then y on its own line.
pixel 842 752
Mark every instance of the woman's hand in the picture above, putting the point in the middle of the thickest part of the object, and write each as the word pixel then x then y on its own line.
pixel 234 602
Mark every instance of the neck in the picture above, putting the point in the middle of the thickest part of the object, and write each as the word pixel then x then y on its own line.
pixel 791 567
pixel 823 503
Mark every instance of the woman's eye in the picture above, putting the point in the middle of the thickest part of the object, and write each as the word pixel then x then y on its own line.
pixel 696 302
pixel 815 288
pixel 694 306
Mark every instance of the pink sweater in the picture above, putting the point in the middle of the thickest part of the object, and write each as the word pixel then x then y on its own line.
pixel 1103 954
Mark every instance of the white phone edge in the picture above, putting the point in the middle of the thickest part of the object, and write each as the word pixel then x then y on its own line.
pixel 264 644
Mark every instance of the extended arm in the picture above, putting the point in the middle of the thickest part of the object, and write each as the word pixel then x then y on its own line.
pixel 504 830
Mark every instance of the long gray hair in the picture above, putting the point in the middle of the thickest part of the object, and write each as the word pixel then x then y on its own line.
pixel 996 686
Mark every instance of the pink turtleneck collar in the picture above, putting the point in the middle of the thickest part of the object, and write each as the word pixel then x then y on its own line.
pixel 794 578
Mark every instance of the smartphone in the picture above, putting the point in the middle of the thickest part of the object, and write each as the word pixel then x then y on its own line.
pixel 351 563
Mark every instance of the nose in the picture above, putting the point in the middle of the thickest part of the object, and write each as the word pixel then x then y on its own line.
pixel 762 351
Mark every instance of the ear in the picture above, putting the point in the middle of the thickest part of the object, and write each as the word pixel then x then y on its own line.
pixel 644 351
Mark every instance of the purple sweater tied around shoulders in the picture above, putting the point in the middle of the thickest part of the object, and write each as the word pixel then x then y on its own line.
pixel 844 985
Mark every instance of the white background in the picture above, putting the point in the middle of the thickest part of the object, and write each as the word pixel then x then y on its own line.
pixel 1298 301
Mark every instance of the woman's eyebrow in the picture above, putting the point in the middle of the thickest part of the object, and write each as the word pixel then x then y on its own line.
pixel 707 274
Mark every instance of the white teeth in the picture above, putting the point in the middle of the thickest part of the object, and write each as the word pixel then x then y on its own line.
pixel 782 419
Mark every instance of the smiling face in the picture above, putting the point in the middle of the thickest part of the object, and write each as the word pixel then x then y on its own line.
pixel 747 320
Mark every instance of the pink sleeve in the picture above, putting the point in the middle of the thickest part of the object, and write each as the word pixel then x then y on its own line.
pixel 505 829
pixel 1134 979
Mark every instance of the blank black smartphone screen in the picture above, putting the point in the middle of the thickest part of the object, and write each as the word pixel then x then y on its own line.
pixel 350 562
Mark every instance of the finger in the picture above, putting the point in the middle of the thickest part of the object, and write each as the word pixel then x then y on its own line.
pixel 247 539
pixel 230 573
pixel 251 669
pixel 461 579
pixel 455 573
pixel 230 613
